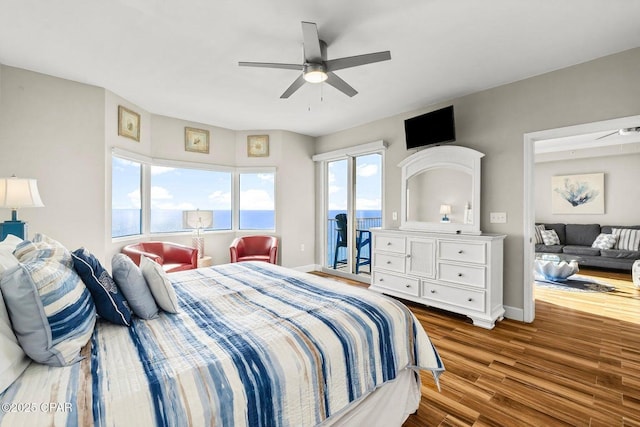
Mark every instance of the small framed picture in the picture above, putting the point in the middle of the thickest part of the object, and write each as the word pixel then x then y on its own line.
pixel 128 123
pixel 196 140
pixel 258 145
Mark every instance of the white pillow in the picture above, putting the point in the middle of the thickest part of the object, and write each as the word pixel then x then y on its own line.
pixel 605 241
pixel 550 237
pixel 159 284
pixel 13 360
pixel 7 259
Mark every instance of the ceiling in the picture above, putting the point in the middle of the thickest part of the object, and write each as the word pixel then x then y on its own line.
pixel 180 58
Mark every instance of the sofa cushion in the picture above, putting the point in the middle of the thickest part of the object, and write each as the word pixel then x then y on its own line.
pixel 550 237
pixel 620 254
pixel 549 249
pixel 581 234
pixel 605 241
pixel 581 250
pixel 628 239
pixel 560 231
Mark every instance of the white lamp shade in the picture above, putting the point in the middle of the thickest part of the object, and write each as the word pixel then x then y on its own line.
pixel 445 209
pixel 16 193
pixel 197 219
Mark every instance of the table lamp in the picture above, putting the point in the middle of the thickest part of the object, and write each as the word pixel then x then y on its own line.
pixel 17 193
pixel 445 210
pixel 197 220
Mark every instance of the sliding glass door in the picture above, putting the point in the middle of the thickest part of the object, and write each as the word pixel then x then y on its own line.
pixel 353 196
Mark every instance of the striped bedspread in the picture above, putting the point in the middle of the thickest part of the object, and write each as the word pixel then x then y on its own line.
pixel 253 345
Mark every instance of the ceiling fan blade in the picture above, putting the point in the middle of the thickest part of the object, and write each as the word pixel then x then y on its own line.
pixel 341 85
pixel 294 87
pixel 311 43
pixel 609 134
pixel 354 61
pixel 271 65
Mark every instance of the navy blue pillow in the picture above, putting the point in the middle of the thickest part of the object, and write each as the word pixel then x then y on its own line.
pixel 110 303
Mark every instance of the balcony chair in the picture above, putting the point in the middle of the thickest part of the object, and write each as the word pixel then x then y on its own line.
pixel 363 238
pixel 171 256
pixel 254 248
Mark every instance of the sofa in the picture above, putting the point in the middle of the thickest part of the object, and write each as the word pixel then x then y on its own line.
pixel 171 256
pixel 576 242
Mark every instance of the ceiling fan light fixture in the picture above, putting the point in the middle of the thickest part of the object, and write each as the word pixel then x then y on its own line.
pixel 314 73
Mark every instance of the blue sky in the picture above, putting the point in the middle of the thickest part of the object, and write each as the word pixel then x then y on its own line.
pixel 368 183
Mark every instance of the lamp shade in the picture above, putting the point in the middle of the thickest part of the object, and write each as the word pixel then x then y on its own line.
pixel 16 193
pixel 197 219
pixel 445 209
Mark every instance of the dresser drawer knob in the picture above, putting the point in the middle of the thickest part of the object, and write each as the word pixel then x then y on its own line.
pixel 459 274
pixel 433 291
pixel 460 251
pixel 381 280
pixel 470 299
pixel 388 262
pixel 408 255
pixel 407 286
pixel 388 243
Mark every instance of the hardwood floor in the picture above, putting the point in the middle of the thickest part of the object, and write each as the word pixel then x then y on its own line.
pixel 577 364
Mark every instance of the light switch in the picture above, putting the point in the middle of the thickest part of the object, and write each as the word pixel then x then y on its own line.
pixel 498 217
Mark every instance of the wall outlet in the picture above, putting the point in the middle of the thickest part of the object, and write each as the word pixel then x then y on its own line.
pixel 394 215
pixel 498 217
pixel 301 247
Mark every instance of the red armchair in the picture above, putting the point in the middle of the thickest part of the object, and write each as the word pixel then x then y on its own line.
pixel 171 256
pixel 254 248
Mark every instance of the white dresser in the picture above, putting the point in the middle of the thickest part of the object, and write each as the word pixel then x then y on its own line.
pixel 458 273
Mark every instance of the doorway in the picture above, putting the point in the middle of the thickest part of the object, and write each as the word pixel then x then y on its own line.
pixel 530 139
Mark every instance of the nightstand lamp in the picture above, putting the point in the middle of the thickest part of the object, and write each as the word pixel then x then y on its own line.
pixel 197 220
pixel 445 210
pixel 17 193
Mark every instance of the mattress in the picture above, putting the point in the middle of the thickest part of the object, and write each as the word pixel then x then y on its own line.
pixel 253 344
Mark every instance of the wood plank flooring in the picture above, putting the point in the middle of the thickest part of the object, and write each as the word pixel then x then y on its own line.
pixel 577 364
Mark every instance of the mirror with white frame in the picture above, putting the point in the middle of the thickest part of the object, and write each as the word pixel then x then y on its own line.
pixel 441 190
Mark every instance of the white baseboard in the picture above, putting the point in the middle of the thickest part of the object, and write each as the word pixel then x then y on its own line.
pixel 514 313
pixel 306 268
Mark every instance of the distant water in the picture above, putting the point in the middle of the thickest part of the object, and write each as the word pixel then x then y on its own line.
pixel 127 222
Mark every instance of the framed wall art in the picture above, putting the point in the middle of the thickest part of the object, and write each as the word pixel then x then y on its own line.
pixel 258 145
pixel 196 140
pixel 577 194
pixel 128 123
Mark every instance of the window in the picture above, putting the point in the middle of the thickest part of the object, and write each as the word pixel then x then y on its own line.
pixel 257 201
pixel 174 190
pixel 126 214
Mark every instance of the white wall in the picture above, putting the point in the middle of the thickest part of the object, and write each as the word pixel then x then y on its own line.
pixel 62 133
pixel 494 122
pixel 53 130
pixel 621 189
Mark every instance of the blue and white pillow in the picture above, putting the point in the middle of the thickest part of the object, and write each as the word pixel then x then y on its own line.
pixel 51 310
pixel 131 283
pixel 550 237
pixel 110 303
pixel 605 241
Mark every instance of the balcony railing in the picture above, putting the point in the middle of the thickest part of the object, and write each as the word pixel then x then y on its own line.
pixel 362 224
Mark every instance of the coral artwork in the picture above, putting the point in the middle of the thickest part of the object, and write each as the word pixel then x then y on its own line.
pixel 577 194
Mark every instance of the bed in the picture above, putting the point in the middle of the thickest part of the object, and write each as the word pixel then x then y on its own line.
pixel 252 344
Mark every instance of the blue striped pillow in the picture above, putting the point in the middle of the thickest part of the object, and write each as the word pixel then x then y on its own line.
pixel 51 310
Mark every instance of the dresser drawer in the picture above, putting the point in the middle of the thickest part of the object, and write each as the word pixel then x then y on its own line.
pixel 391 262
pixel 462 251
pixel 396 283
pixel 385 243
pixel 466 298
pixel 462 274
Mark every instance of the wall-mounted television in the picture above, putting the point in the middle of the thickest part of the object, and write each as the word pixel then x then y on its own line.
pixel 435 127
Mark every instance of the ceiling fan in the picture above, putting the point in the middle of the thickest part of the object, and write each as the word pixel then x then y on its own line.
pixel 622 132
pixel 316 67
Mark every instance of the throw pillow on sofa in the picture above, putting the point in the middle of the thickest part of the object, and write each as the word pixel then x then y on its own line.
pixel 538 232
pixel 605 241
pixel 628 239
pixel 550 237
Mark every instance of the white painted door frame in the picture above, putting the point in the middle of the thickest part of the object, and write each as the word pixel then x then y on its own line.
pixel 529 191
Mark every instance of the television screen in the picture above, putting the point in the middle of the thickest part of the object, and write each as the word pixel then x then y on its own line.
pixel 432 128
